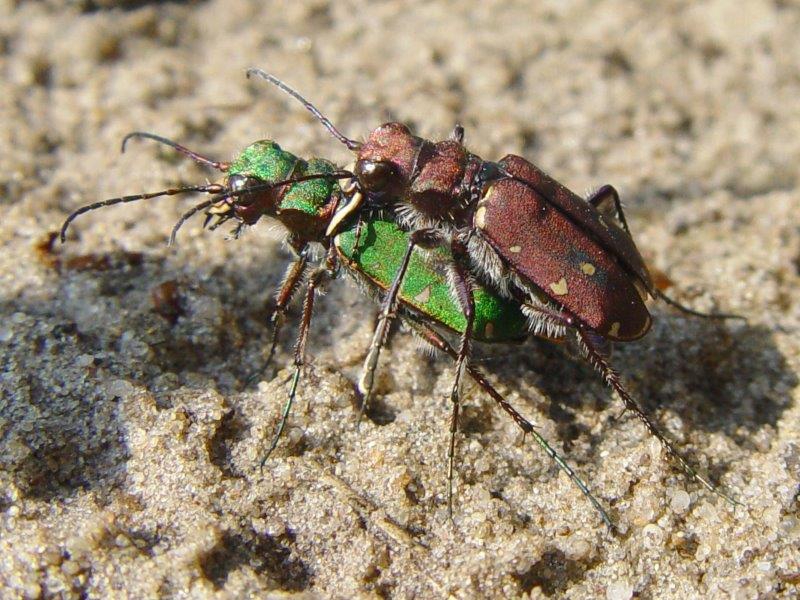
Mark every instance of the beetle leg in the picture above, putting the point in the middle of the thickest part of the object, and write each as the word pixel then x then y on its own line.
pixel 458 133
pixel 695 313
pixel 291 281
pixel 317 278
pixel 427 238
pixel 604 199
pixel 598 360
pixel 463 292
pixel 438 342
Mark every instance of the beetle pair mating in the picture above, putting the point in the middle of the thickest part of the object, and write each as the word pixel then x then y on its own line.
pixel 490 251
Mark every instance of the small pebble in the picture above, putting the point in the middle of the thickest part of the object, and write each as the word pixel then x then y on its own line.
pixel 680 502
pixel 619 590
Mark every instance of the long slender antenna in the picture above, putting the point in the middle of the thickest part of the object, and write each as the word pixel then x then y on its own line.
pixel 209 162
pixel 326 122
pixel 214 188
pixel 189 214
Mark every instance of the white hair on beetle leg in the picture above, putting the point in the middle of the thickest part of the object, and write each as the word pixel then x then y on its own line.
pixel 542 324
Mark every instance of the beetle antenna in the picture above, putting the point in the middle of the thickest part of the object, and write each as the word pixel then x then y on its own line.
pixel 266 185
pixel 695 313
pixel 188 215
pixel 214 188
pixel 209 162
pixel 326 122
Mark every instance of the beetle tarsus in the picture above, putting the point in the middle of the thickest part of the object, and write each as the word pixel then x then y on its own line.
pixel 315 281
pixel 695 313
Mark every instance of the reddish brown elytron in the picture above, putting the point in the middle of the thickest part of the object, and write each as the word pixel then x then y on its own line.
pixel 548 245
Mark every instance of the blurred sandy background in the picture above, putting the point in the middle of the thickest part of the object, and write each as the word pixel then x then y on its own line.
pixel 129 455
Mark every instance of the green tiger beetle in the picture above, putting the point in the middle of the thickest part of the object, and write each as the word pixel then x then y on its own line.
pixel 571 262
pixel 265 180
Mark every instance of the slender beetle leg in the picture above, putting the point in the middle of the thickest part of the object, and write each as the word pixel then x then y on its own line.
pixel 598 360
pixel 437 341
pixel 426 238
pixel 291 281
pixel 597 356
pixel 463 293
pixel 317 278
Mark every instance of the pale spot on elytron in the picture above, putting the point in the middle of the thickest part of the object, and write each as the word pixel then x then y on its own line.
pixel 423 296
pixel 480 217
pixel 588 268
pixel 515 249
pixel 488 331
pixel 614 329
pixel 560 288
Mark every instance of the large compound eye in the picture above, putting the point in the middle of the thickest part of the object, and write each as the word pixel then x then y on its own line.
pixel 238 183
pixel 374 175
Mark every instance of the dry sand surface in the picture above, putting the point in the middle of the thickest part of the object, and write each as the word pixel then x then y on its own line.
pixel 129 448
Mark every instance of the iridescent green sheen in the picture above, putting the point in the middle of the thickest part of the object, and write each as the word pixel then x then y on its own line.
pixel 264 160
pixel 310 196
pixel 381 247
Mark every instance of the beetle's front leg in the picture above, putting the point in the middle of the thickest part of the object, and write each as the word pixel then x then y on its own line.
pixel 295 272
pixel 291 281
pixel 318 278
pixel 463 292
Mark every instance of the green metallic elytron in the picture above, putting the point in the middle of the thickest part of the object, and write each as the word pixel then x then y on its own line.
pixel 265 180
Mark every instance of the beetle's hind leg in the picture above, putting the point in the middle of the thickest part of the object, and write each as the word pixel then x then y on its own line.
pixel 437 341
pixel 598 359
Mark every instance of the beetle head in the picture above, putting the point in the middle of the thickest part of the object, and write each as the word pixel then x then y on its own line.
pixel 385 162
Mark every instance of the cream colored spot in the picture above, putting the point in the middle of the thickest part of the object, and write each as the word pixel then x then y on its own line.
pixel 587 268
pixel 614 329
pixel 423 296
pixel 480 217
pixel 488 331
pixel 515 249
pixel 560 288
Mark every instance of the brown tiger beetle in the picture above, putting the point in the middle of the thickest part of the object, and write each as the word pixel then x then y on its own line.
pixel 571 263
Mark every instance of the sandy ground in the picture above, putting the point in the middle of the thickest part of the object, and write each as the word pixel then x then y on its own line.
pixel 129 452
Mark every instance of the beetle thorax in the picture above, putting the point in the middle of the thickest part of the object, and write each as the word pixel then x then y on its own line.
pixel 429 179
